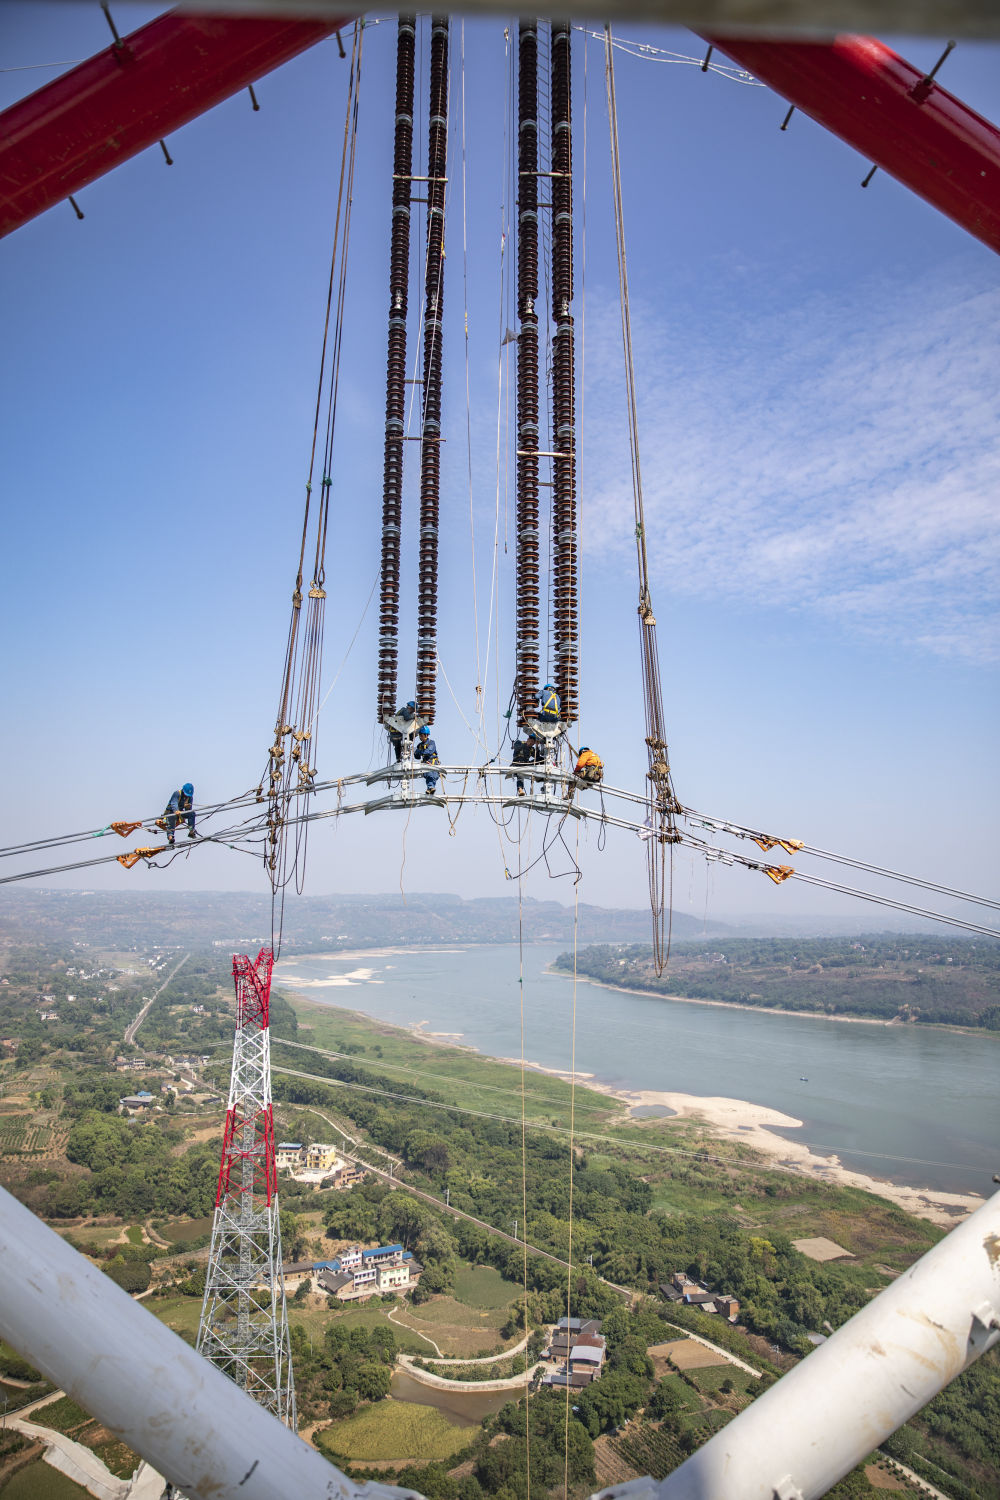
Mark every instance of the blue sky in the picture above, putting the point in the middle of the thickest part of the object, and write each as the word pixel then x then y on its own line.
pixel 817 370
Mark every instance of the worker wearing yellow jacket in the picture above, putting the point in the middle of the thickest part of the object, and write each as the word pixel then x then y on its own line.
pixel 589 767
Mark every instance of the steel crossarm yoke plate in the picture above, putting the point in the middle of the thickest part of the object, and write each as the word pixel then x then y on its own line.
pixel 244 1323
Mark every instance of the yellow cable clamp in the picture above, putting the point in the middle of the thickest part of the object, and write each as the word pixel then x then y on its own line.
pixel 778 873
pixel 134 855
pixel 790 846
pixel 125 828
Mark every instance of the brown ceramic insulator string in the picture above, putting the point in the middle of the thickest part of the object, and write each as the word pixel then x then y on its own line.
pixel 430 435
pixel 564 517
pixel 395 390
pixel 526 655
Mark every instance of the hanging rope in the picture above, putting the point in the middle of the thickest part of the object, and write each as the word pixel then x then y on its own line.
pixel 663 804
pixel 291 769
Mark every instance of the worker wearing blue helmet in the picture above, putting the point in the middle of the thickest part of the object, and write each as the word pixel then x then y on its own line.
pixel 407 713
pixel 180 809
pixel 550 709
pixel 427 751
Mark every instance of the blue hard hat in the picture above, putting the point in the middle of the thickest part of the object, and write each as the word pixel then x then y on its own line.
pixel 548 688
pixel 584 748
pixel 187 789
pixel 411 704
pixel 423 729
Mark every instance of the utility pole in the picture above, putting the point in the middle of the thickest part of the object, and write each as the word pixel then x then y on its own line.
pixel 447 1197
pixel 244 1322
pixel 515 1229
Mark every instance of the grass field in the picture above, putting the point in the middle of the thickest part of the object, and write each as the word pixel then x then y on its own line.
pixel 179 1313
pixel 394 1430
pixel 185 1230
pixel 465 1077
pixel 484 1287
pixel 39 1481
pixel 457 1328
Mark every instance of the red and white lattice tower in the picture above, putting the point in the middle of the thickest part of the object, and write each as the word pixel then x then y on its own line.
pixel 244 1324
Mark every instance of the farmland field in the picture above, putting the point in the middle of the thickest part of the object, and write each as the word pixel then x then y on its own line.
pixel 393 1429
pixel 39 1481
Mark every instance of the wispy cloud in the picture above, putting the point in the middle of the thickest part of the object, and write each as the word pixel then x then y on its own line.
pixel 841 456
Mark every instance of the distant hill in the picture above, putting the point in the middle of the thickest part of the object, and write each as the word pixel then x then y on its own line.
pixel 236 920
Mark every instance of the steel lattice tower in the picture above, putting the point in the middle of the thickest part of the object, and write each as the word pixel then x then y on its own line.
pixel 244 1324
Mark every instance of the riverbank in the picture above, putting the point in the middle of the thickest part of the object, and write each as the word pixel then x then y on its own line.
pixel 751 1124
pixel 771 1010
pixel 754 1125
pixel 453 1016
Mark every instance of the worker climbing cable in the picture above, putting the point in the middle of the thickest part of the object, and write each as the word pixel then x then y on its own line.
pixel 179 809
pixel 589 769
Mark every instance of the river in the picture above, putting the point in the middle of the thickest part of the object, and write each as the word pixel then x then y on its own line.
pixel 918 1105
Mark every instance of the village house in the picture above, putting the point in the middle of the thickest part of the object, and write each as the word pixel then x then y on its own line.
pixel 581 1347
pixel 143 1099
pixel 131 1064
pixel 288 1154
pixel 682 1289
pixel 358 1273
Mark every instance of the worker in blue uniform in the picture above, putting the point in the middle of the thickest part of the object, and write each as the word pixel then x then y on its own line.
pixel 408 712
pixel 426 751
pixel 550 709
pixel 180 809
pixel 524 753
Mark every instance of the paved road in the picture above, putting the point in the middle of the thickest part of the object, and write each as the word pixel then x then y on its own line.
pixel 133 1026
pixel 426 1377
pixel 74 1460
pixel 917 1479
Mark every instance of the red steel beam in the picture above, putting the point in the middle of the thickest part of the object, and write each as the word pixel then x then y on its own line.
pixel 131 95
pixel 893 114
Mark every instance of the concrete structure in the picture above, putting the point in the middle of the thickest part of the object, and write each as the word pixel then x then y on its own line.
pixel 581 1347
pixel 359 1273
pixel 681 1288
pixel 320 1158
pixel 143 1099
pixel 288 1154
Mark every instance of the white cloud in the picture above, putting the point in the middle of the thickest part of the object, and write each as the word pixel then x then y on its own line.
pixel 839 456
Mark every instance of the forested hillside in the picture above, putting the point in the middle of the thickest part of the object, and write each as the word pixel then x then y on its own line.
pixel 888 976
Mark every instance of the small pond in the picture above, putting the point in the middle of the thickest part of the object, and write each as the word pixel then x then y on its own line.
pixel 463 1407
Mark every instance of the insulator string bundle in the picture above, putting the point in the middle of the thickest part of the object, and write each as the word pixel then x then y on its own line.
pixel 526 656
pixel 430 436
pixel 564 530
pixel 395 392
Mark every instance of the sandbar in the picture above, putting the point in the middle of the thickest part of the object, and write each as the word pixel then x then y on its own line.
pixel 740 1120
